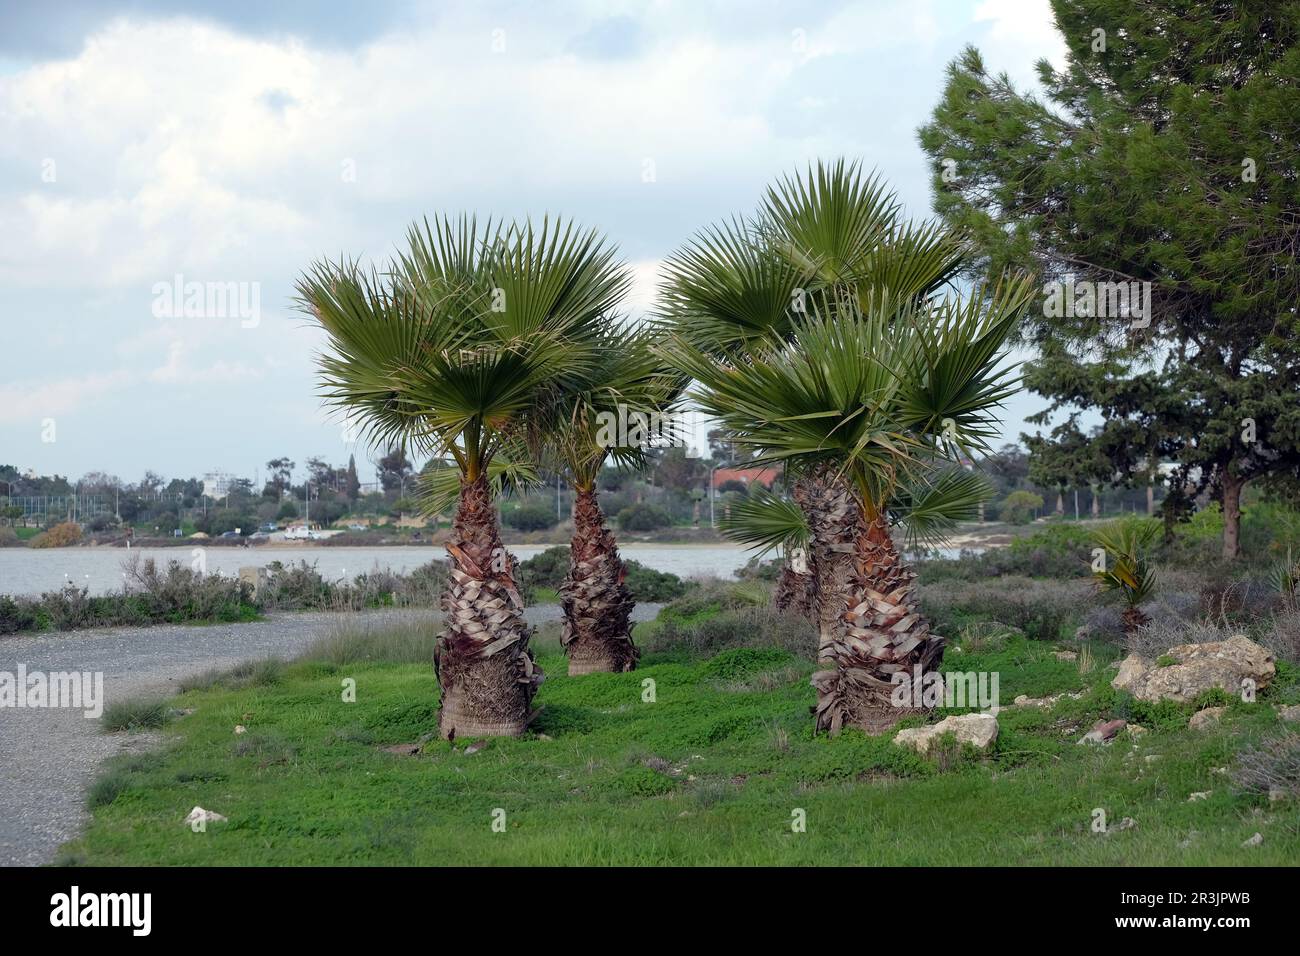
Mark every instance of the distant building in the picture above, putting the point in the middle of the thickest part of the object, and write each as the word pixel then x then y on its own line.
pixel 216 484
pixel 746 475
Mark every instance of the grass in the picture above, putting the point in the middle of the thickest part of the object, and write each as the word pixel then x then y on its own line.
pixel 140 713
pixel 712 772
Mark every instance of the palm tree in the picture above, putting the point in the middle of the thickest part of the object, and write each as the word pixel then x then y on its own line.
pixel 458 350
pixel 925 512
pixel 862 393
pixel 822 243
pixel 767 521
pixel 1126 568
pixel 611 417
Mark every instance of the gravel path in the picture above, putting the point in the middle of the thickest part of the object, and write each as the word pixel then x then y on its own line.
pixel 49 756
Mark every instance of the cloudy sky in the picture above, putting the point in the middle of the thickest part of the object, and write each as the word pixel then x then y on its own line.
pixel 148 144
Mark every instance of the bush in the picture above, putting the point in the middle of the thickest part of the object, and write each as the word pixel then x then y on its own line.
pixel 643 517
pixel 179 594
pixel 546 569
pixel 712 595
pixel 1282 636
pixel 302 587
pixel 1018 507
pixel 756 569
pixel 650 586
pixel 1060 550
pixel 1043 610
pixel 1273 764
pixel 549 568
pixel 531 517
pixel 60 536
pixel 749 627
pixel 19 615
pixel 9 537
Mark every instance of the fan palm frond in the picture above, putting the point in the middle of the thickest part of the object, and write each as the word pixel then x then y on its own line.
pixel 1127 569
pixel 929 509
pixel 766 521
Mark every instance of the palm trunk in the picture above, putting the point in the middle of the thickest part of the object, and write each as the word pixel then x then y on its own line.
pixel 482 659
pixel 833 519
pixel 869 626
pixel 796 592
pixel 1133 619
pixel 597 604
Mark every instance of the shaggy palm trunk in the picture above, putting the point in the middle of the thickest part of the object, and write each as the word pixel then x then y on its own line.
pixel 597 604
pixel 796 591
pixel 869 625
pixel 1133 619
pixel 482 659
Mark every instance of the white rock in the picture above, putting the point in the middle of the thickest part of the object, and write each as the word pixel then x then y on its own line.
pixel 1196 669
pixel 979 730
pixel 199 815
pixel 240 729
pixel 1256 840
pixel 1199 795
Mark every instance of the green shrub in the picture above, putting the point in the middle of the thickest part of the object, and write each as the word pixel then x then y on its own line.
pixel 19 615
pixel 1018 507
pixel 1042 609
pixel 643 517
pixel 715 631
pixel 530 517
pixel 653 587
pixel 549 568
pixel 546 569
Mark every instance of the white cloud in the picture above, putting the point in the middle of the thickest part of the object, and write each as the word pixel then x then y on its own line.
pixel 30 403
pixel 185 147
pixel 1020 33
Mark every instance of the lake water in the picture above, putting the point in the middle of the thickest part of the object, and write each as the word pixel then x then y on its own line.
pixel 35 570
pixel 32 571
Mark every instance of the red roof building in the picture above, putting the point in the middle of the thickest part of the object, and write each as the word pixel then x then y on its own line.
pixel 746 475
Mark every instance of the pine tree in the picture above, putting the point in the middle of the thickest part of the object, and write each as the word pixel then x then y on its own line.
pixel 1165 153
pixel 353 482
